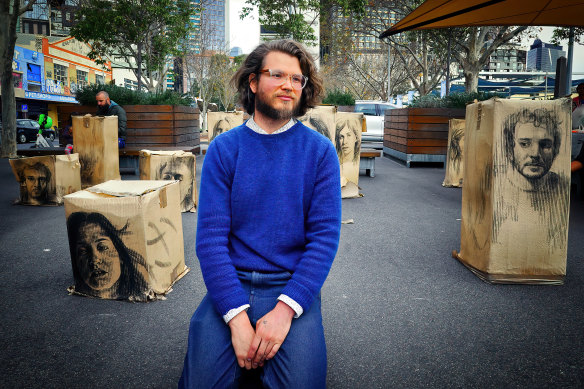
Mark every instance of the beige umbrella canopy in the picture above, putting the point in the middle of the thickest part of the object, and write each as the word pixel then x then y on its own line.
pixel 459 13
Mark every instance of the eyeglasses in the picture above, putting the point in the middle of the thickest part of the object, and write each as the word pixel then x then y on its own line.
pixel 278 77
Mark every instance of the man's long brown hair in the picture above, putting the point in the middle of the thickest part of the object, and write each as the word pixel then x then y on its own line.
pixel 311 94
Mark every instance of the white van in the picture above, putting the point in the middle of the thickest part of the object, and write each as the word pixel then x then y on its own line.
pixel 374 112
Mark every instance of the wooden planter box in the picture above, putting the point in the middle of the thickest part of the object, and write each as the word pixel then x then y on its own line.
pixel 151 126
pixel 418 134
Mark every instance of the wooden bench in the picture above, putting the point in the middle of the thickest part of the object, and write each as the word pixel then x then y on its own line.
pixel 367 161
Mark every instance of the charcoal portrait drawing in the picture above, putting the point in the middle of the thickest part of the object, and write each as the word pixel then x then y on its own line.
pixel 103 266
pixel 34 183
pixel 535 193
pixel 181 169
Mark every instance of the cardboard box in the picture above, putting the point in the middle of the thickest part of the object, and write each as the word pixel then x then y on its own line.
pixel 349 126
pixel 322 119
pixel 172 165
pixel 515 198
pixel 219 122
pixel 95 139
pixel 126 239
pixel 454 155
pixel 45 180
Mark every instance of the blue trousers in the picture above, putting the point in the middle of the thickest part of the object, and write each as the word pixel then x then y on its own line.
pixel 300 362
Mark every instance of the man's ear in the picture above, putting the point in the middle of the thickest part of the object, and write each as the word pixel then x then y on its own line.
pixel 253 82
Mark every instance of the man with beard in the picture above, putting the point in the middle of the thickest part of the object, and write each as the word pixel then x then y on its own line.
pixel 532 142
pixel 267 232
pixel 106 107
pixel 537 198
pixel 35 181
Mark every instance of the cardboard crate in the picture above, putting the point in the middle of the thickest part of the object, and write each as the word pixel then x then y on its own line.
pixel 172 165
pixel 126 239
pixel 515 198
pixel 46 179
pixel 95 139
pixel 454 156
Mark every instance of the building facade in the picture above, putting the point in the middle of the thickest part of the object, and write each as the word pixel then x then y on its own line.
pixel 543 56
pixel 507 58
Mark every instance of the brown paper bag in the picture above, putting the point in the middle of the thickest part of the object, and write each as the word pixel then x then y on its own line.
pixel 126 239
pixel 45 180
pixel 515 198
pixel 454 162
pixel 172 165
pixel 95 139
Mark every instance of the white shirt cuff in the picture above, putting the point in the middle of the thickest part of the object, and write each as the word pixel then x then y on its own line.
pixel 292 304
pixel 234 312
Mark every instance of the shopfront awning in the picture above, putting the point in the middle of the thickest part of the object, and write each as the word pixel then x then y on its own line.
pixel 464 13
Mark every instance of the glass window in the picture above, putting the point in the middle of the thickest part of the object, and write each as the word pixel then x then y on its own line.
pixel 33 72
pixel 81 78
pixel 61 74
pixel 99 79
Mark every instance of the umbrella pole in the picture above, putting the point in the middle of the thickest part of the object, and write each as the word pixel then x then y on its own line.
pixel 570 60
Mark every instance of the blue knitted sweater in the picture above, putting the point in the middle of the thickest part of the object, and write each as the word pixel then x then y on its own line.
pixel 268 203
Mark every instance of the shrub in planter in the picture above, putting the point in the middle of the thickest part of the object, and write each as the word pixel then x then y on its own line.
pixel 453 100
pixel 337 97
pixel 123 96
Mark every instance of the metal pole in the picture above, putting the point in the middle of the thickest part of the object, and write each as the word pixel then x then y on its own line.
pixel 570 60
pixel 448 64
pixel 546 80
pixel 388 70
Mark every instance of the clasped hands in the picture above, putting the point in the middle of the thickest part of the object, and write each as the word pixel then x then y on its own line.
pixel 253 348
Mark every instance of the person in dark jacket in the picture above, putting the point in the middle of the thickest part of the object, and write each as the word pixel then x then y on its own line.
pixel 106 107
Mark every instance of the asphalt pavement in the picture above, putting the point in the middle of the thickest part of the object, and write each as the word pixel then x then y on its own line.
pixel 398 310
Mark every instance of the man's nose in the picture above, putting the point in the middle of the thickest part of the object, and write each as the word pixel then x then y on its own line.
pixel 287 83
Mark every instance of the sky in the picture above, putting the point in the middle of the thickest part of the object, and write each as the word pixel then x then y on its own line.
pixel 546 35
pixel 245 34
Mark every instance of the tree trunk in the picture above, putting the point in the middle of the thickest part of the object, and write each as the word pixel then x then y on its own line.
pixel 139 67
pixel 7 43
pixel 471 80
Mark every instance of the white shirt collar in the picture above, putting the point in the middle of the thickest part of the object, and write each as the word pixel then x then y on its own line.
pixel 256 128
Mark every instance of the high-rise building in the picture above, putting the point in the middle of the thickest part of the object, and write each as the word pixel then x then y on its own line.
pixel 363 33
pixel 213 25
pixel 543 56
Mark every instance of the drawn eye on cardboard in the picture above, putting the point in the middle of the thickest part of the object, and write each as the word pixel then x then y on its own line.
pixel 220 122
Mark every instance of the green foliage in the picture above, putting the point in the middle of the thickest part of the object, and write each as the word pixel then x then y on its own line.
pixel 563 33
pixel 454 100
pixel 337 97
pixel 144 32
pixel 123 96
pixel 287 19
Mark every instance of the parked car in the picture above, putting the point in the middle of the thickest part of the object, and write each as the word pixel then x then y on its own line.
pixel 374 112
pixel 27 130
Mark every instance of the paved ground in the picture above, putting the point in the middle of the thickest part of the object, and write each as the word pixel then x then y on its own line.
pixel 398 311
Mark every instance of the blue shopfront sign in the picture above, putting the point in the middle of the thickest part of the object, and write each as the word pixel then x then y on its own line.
pixel 32 66
pixel 49 97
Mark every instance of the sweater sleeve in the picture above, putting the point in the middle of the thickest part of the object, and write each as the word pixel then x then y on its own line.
pixel 213 226
pixel 323 227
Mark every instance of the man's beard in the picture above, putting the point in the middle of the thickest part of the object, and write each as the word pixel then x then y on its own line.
pixel 261 105
pixel 102 109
